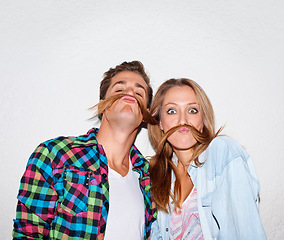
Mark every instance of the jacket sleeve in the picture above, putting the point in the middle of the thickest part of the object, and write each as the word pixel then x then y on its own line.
pixel 155 231
pixel 36 199
pixel 235 202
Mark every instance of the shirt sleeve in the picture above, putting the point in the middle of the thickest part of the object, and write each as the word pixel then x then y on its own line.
pixel 234 204
pixel 36 199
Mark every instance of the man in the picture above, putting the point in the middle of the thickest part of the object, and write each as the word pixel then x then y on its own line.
pixel 95 186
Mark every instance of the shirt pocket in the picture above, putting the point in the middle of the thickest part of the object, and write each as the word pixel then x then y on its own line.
pixel 76 190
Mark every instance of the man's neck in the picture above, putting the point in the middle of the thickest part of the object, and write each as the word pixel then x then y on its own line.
pixel 116 143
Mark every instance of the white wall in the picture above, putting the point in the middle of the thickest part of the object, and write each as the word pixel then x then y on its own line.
pixel 53 55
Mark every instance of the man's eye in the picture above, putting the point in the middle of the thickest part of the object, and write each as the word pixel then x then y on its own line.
pixel 193 110
pixel 171 111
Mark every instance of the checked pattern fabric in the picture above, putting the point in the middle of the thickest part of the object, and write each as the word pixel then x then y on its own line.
pixel 64 192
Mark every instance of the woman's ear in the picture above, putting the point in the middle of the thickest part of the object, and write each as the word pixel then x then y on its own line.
pixel 161 127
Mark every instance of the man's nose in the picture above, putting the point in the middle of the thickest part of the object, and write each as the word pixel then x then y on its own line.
pixel 130 91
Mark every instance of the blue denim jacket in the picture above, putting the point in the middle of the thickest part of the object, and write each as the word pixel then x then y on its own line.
pixel 227 194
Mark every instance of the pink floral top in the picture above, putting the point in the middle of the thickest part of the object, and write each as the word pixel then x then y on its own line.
pixel 185 222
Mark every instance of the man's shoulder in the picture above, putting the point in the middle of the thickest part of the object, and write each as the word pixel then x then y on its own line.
pixel 63 142
pixel 63 150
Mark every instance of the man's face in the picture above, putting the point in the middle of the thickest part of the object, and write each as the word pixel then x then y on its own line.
pixel 126 110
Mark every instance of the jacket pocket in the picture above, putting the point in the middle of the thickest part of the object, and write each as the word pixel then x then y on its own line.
pixel 207 200
pixel 76 190
pixel 212 221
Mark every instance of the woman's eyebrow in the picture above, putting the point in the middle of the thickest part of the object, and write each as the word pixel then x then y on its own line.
pixel 173 103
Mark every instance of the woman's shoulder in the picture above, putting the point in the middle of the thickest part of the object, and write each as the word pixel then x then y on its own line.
pixel 226 144
pixel 222 150
pixel 223 140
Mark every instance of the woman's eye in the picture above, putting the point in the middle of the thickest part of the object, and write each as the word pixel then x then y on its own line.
pixel 139 94
pixel 193 110
pixel 171 111
pixel 118 90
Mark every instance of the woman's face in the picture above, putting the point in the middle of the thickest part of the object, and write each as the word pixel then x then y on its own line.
pixel 180 107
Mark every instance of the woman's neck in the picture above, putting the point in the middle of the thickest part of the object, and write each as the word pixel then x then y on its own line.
pixel 184 158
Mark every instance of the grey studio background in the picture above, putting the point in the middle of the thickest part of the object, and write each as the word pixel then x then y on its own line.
pixel 53 54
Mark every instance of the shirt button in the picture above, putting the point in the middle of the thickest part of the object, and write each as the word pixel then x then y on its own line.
pixel 102 229
pixel 104 175
pixel 57 175
pixel 167 229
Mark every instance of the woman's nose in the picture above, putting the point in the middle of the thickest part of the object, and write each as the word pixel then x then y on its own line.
pixel 182 119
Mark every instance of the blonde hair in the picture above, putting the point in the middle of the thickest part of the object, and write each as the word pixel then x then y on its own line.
pixel 161 165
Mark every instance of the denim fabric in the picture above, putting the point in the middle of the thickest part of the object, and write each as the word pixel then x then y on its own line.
pixel 227 193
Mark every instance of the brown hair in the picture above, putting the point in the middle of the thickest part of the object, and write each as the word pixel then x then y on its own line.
pixel 161 165
pixel 107 103
pixel 134 66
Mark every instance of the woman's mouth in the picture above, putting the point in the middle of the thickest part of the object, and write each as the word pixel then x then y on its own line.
pixel 183 130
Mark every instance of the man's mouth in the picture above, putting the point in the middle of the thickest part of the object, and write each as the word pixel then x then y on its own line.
pixel 129 99
pixel 107 103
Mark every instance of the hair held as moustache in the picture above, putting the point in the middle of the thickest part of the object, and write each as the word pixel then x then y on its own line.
pixel 107 103
pixel 202 138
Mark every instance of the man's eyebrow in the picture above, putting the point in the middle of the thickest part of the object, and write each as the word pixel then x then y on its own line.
pixel 140 86
pixel 119 82
pixel 124 83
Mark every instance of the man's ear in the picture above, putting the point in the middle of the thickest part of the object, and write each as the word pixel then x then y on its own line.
pixel 101 114
pixel 148 110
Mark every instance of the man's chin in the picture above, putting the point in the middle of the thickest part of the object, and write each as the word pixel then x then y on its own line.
pixel 129 120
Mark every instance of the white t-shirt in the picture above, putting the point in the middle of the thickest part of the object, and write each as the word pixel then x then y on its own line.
pixel 126 216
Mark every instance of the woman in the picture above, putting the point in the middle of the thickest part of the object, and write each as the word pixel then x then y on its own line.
pixel 204 185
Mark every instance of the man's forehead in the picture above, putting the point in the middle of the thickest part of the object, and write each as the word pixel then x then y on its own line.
pixel 127 77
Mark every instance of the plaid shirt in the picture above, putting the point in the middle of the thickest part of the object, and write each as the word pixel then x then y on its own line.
pixel 64 192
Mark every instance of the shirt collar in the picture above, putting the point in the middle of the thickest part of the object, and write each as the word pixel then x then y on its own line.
pixel 175 161
pixel 86 139
pixel 90 139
